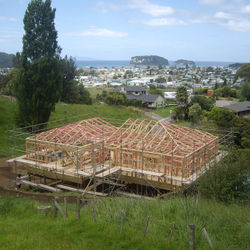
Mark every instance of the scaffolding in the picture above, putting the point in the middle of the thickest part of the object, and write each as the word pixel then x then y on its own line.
pixel 99 155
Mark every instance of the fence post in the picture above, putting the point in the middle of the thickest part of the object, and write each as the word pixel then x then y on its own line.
pixel 60 209
pixel 122 220
pixel 191 237
pixel 93 211
pixel 171 232
pixel 65 207
pixel 55 208
pixel 146 226
pixel 78 208
pixel 207 237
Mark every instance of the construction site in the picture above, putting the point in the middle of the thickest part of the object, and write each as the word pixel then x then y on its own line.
pixel 96 156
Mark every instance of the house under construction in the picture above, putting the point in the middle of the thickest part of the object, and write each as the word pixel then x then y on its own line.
pixel 150 153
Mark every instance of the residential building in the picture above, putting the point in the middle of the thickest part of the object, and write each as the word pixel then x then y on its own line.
pixel 138 93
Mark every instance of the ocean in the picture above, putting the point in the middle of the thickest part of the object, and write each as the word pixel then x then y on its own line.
pixel 123 63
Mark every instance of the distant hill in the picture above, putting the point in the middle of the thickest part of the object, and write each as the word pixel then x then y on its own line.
pixel 235 65
pixel 183 62
pixel 5 60
pixel 148 60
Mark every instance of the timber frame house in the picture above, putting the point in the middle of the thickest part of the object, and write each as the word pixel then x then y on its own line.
pixel 150 153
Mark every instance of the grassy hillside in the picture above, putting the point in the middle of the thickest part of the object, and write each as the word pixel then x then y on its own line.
pixel 64 113
pixel 164 112
pixel 7 118
pixel 94 91
pixel 23 227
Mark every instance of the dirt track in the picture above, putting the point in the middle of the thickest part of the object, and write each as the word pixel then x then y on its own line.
pixel 7 175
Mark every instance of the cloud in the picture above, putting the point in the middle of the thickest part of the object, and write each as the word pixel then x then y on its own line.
pixel 144 6
pixel 237 25
pixel 222 15
pixel 8 19
pixel 229 21
pixel 164 22
pixel 104 32
pixel 151 9
pixel 246 9
pixel 212 2
pixel 99 32
pixel 105 7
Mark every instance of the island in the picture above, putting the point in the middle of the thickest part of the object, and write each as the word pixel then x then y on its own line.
pixel 186 63
pixel 148 60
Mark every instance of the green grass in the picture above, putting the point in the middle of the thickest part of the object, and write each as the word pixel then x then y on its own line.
pixel 164 112
pixel 23 227
pixel 183 123
pixel 94 91
pixel 64 113
pixel 114 114
pixel 8 111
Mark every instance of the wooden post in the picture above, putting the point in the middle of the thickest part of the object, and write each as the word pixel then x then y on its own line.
pixel 171 232
pixel 78 208
pixel 191 237
pixel 55 208
pixel 65 206
pixel 93 211
pixel 122 220
pixel 207 237
pixel 146 226
pixel 60 209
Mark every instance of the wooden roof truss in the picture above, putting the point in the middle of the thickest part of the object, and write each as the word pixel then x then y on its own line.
pixel 159 136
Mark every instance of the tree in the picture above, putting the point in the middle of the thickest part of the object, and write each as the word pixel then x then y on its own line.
pixel 7 82
pixel 182 96
pixel 182 100
pixel 39 82
pixel 221 116
pixel 16 60
pixel 40 38
pixel 242 127
pixel 203 101
pixel 84 95
pixel 194 113
pixel 37 88
pixel 177 114
pixel 69 73
pixel 116 98
pixel 128 74
pixel 245 91
pixel 160 79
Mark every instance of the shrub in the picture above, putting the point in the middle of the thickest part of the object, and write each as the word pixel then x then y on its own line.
pixel 177 114
pixel 204 102
pixel 194 113
pixel 221 116
pixel 227 180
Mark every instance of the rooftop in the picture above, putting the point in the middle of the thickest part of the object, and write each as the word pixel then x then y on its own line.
pixel 239 106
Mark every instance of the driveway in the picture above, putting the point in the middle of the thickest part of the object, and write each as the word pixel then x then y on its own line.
pixel 157 117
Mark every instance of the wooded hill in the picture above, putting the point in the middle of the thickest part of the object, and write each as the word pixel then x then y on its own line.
pixel 5 60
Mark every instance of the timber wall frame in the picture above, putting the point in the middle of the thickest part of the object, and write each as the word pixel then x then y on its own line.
pixel 154 153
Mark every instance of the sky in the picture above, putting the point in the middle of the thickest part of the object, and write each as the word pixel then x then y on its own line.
pixel 201 30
